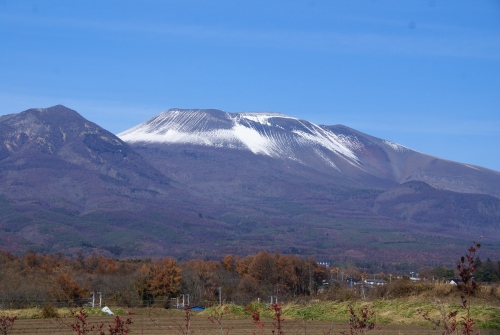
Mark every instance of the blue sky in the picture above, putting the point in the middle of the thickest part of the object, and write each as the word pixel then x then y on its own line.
pixel 424 74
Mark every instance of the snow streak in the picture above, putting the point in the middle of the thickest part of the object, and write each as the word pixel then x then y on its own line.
pixel 272 134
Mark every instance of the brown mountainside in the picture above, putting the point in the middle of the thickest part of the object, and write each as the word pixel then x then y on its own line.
pixel 68 185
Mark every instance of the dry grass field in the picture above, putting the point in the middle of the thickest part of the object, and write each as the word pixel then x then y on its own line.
pixel 202 326
pixel 174 323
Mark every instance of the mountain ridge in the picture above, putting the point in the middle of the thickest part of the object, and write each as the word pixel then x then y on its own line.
pixel 67 184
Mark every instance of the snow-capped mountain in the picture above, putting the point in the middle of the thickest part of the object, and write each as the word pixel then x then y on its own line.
pixel 271 134
pixel 335 150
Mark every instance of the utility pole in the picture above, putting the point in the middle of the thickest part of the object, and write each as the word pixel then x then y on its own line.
pixel 220 296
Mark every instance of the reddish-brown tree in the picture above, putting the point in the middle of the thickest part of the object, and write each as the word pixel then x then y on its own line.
pixel 66 289
pixel 160 278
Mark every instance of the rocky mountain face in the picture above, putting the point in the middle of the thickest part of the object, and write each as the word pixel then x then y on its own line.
pixel 203 183
pixel 68 184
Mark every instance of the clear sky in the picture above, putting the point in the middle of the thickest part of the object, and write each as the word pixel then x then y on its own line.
pixel 424 74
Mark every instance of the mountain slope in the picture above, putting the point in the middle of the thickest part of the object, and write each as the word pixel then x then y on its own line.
pixel 59 140
pixel 321 189
pixel 421 203
pixel 334 150
pixel 67 183
pixel 402 164
pixel 204 183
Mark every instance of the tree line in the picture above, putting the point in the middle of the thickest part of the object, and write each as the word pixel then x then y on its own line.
pixel 39 279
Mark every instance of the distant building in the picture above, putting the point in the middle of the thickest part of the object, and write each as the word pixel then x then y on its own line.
pixel 326 264
pixel 414 276
pixel 375 282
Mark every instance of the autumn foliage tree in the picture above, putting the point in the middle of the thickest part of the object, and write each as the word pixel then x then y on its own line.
pixel 67 289
pixel 159 278
pixel 285 274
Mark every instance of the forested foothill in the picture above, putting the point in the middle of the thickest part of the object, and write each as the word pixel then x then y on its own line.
pixel 38 280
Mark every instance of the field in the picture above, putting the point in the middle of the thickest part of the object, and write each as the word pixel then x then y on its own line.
pixel 394 319
pixel 200 325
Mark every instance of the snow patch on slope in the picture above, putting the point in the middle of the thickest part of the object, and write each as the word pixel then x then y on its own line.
pixel 253 140
pixel 325 139
pixel 262 118
pixel 395 146
pixel 352 142
pixel 326 159
pixel 472 167
pixel 215 138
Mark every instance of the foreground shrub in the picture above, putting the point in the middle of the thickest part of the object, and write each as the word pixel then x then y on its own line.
pixel 6 324
pixel 81 326
pixel 466 267
pixel 49 312
pixel 359 325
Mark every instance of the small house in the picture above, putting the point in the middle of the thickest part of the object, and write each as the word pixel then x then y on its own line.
pixel 374 282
